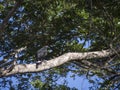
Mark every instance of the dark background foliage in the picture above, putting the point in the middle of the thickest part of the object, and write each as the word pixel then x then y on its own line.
pixel 65 26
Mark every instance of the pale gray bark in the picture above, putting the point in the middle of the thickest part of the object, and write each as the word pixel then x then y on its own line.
pixel 29 68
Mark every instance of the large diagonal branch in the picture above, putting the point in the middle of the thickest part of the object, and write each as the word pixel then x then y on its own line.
pixel 29 68
pixel 6 19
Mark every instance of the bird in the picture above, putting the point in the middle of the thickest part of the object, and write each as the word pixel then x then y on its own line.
pixel 41 53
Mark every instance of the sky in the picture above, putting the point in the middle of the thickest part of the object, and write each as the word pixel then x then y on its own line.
pixel 79 82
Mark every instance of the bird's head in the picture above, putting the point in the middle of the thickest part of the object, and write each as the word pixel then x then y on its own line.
pixel 48 49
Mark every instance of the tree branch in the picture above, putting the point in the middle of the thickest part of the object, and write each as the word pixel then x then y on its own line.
pixel 13 53
pixel 29 68
pixel 6 19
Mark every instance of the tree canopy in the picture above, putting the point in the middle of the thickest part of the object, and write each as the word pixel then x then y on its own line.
pixel 83 38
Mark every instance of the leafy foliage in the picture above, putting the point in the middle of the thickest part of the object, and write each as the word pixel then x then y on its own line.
pixel 65 26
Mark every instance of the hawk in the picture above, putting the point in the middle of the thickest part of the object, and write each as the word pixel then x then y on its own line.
pixel 41 53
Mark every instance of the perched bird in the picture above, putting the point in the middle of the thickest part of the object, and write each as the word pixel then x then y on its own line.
pixel 41 53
